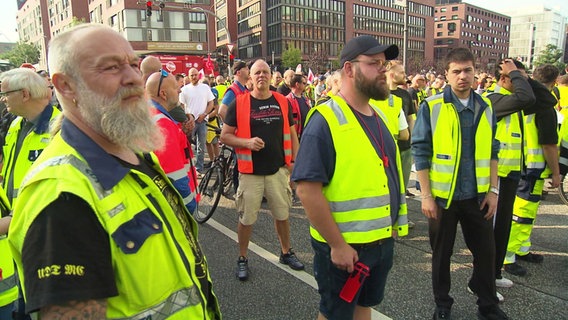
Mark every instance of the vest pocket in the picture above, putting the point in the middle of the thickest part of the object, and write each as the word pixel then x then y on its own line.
pixel 131 235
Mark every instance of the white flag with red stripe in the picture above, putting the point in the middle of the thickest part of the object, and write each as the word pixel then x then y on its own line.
pixel 310 75
pixel 201 74
pixel 299 69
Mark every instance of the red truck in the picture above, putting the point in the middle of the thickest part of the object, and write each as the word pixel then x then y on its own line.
pixel 182 63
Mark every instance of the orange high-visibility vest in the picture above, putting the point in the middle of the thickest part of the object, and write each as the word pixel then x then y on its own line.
pixel 244 155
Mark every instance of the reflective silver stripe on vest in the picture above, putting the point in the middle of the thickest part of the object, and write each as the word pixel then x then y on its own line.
pixel 482 163
pixel 443 168
pixel 178 174
pixel 7 283
pixel 563 161
pixel 365 225
pixel 509 162
pixel 510 146
pixel 158 116
pixel 363 203
pixel 77 164
pixel 435 109
pixel 176 302
pixel 337 111
pixel 189 198
pixel 244 157
pixel 564 143
pixel 483 181
pixel 437 185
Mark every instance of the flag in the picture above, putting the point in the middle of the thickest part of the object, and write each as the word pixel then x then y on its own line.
pixel 299 69
pixel 201 74
pixel 209 63
pixel 310 75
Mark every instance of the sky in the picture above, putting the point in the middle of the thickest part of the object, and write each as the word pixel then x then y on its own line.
pixel 10 9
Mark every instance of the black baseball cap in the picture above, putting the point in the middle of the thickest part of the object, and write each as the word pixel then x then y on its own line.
pixel 238 66
pixel 366 45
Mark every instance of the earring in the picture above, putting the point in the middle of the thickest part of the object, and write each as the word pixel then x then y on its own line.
pixel 74 102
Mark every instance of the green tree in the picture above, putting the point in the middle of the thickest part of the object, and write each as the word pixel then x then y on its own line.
pixel 22 52
pixel 551 54
pixel 318 61
pixel 291 57
pixel 75 21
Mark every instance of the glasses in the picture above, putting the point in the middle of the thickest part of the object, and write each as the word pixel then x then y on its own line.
pixel 376 63
pixel 5 93
pixel 162 76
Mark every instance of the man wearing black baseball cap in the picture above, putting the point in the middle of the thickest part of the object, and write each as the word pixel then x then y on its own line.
pixel 353 217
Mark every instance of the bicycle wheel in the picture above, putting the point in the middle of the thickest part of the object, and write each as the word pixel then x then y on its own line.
pixel 563 190
pixel 228 185
pixel 209 188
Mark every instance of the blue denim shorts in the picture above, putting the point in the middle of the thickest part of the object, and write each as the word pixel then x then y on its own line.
pixel 378 256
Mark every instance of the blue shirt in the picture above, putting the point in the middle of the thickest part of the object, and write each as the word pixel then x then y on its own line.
pixel 230 96
pixel 469 116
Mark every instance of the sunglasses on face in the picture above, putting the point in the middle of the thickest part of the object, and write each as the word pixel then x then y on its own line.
pixel 164 74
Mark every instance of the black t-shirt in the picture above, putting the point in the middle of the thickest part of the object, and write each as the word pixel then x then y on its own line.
pixel 408 108
pixel 74 259
pixel 67 255
pixel 266 123
pixel 304 109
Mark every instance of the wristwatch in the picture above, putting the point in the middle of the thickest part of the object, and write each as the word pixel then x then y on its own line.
pixel 495 190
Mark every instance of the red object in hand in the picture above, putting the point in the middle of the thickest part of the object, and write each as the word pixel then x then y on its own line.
pixel 354 282
pixel 1 274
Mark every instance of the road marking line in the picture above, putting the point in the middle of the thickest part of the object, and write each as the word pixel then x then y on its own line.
pixel 272 258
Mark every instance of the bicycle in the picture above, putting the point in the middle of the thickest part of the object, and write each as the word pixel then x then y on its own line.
pixel 217 181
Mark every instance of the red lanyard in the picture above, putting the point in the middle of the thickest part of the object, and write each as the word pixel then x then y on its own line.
pixel 380 145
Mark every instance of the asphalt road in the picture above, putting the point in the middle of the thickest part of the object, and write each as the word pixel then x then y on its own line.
pixel 276 292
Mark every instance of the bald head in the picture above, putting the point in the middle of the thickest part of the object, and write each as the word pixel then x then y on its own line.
pixel 288 75
pixel 149 65
pixel 166 93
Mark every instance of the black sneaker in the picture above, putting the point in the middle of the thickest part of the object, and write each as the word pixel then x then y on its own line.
pixel 442 313
pixel 242 268
pixel 515 269
pixel 291 260
pixel 531 257
pixel 491 313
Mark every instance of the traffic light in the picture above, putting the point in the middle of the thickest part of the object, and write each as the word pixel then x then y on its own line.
pixel 148 8
pixel 231 59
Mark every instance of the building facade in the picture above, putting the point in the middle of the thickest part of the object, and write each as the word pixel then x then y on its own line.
pixel 320 28
pixel 484 32
pixel 532 29
pixel 33 26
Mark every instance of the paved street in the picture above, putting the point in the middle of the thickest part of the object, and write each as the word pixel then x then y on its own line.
pixel 276 292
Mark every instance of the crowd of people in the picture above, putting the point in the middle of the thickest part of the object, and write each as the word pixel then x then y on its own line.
pixel 101 206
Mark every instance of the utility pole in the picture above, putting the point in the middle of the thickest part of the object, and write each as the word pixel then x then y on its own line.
pixel 404 5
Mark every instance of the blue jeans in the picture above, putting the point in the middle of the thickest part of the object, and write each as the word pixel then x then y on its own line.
pixel 200 132
pixel 6 311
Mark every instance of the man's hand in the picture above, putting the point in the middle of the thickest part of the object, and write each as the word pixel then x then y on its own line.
pixel 188 125
pixel 556 178
pixel 490 201
pixel 344 257
pixel 201 118
pixel 507 66
pixel 255 144
pixel 429 207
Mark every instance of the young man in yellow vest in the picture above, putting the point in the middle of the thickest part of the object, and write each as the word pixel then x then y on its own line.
pixel 455 153
pixel 98 230
pixel 512 95
pixel 541 161
pixel 349 179
pixel 259 125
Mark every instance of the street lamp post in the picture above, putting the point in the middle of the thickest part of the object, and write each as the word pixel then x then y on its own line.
pixel 404 4
pixel 226 30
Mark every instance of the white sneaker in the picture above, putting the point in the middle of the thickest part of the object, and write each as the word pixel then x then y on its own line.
pixel 503 283
pixel 499 296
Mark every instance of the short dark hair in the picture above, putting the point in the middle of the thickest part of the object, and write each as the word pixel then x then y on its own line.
pixel 546 73
pixel 297 78
pixel 238 66
pixel 459 55
pixel 517 63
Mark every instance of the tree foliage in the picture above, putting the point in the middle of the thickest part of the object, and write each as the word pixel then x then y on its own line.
pixel 318 61
pixel 291 57
pixel 76 21
pixel 22 52
pixel 551 54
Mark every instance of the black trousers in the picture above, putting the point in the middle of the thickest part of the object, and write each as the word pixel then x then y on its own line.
pixel 478 235
pixel 503 219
